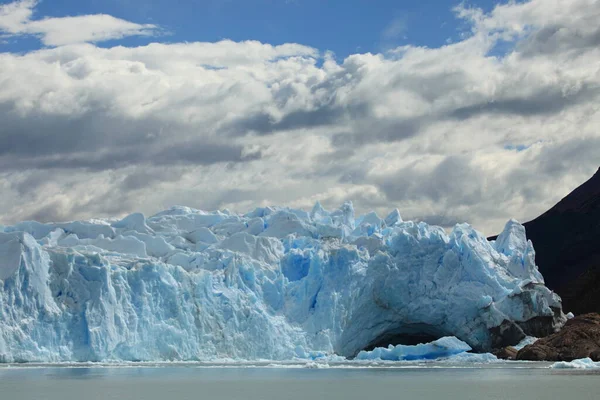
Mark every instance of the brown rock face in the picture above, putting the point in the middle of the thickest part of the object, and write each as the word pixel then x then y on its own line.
pixel 580 338
pixel 507 353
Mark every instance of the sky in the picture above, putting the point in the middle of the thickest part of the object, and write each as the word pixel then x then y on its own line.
pixel 452 112
pixel 341 26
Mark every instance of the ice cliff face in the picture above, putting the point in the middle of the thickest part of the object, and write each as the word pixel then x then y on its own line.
pixel 271 284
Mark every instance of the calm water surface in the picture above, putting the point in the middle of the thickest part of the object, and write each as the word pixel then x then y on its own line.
pixel 191 382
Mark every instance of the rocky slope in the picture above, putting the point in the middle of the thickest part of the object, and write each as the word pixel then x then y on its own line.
pixel 579 338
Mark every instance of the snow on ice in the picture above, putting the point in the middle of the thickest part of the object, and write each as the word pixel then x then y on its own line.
pixel 274 284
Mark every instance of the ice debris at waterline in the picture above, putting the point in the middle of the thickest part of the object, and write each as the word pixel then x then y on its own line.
pixel 275 283
pixel 584 363
pixel 441 348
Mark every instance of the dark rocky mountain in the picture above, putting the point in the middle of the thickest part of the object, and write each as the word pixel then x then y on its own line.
pixel 566 239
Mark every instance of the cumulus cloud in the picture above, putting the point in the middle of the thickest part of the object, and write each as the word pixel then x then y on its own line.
pixel 456 133
pixel 16 20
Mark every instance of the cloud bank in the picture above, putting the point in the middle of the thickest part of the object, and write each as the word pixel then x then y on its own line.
pixel 462 132
pixel 16 20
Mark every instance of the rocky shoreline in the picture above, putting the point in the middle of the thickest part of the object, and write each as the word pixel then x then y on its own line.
pixel 578 339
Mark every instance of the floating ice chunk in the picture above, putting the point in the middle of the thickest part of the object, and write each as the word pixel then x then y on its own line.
pixel 316 365
pixel 441 348
pixel 584 363
pixel 481 358
pixel 317 355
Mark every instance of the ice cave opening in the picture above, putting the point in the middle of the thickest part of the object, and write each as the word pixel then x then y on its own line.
pixel 406 334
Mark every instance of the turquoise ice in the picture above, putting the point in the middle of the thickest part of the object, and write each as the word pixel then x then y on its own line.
pixel 273 284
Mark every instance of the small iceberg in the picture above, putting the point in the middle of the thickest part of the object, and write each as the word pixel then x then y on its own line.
pixel 584 363
pixel 442 348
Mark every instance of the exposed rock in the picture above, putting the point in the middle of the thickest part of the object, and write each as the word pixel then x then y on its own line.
pixel 510 333
pixel 506 334
pixel 580 338
pixel 544 326
pixel 506 353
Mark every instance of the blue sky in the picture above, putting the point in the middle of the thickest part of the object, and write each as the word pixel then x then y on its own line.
pixel 344 27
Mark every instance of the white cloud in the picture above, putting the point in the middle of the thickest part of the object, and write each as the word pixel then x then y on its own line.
pixel 396 28
pixel 444 134
pixel 16 20
pixel 13 16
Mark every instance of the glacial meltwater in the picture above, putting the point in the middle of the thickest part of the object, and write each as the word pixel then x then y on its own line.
pixel 510 381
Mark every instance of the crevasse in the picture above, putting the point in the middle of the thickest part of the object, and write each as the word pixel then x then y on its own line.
pixel 275 283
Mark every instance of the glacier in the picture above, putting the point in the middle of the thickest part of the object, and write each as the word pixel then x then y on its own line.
pixel 272 284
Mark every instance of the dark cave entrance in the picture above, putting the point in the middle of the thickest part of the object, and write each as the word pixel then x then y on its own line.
pixel 400 338
pixel 408 335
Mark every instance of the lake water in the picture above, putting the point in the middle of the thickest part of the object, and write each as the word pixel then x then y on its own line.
pixel 163 382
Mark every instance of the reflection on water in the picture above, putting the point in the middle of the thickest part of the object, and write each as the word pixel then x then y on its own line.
pixel 191 382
